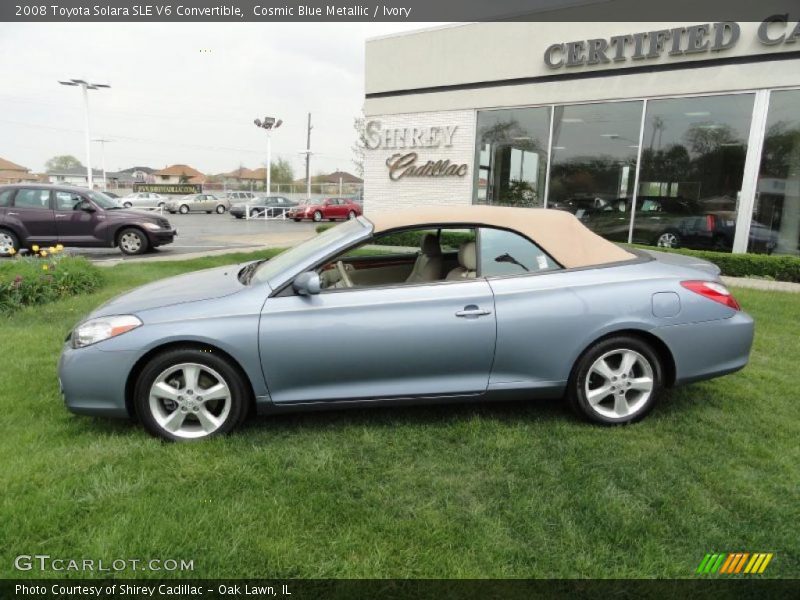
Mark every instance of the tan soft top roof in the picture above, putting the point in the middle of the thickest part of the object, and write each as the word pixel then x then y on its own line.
pixel 557 232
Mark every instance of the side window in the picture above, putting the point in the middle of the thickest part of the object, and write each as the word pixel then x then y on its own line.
pixel 5 198
pixel 27 198
pixel 506 253
pixel 67 200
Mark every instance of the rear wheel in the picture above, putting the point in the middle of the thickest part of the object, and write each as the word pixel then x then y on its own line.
pixel 616 381
pixel 317 216
pixel 184 209
pixel 8 242
pixel 161 205
pixel 127 205
pixel 187 393
pixel 255 213
pixel 220 209
pixel 132 241
pixel 351 215
pixel 296 220
pixel 668 239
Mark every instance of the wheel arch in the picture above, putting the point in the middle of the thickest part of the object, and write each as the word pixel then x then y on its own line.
pixel 122 227
pixel 136 370
pixel 658 345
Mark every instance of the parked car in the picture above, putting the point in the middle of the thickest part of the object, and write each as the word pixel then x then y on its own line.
pixel 207 203
pixel 144 200
pixel 531 304
pixel 328 209
pixel 72 216
pixel 273 206
pixel 113 195
pixel 235 197
pixel 716 230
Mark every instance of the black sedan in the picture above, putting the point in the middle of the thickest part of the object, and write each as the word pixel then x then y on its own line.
pixel 269 206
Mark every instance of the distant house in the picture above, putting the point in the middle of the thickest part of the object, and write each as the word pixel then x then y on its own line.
pixel 179 174
pixel 243 175
pixel 13 173
pixel 78 176
pixel 140 174
pixel 334 178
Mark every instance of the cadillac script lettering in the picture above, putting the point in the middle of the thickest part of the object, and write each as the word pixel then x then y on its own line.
pixel 405 165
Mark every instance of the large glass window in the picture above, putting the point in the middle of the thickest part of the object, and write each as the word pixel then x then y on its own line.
pixel 594 164
pixel 508 253
pixel 776 212
pixel 691 174
pixel 511 156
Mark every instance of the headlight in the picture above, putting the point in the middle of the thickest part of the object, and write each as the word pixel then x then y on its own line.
pixel 97 330
pixel 151 226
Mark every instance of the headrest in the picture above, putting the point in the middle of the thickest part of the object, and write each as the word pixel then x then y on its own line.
pixel 467 256
pixel 430 245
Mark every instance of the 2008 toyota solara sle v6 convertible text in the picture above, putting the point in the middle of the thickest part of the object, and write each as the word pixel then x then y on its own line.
pixel 488 303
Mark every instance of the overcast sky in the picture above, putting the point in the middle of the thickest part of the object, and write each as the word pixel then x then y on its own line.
pixel 171 103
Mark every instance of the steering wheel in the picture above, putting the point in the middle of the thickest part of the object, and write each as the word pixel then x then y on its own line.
pixel 344 275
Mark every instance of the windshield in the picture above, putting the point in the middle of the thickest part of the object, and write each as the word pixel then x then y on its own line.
pixel 102 200
pixel 285 260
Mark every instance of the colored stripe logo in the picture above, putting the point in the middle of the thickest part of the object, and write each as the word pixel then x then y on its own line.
pixel 732 563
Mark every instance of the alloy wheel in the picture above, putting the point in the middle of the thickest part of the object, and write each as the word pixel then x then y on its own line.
pixel 619 383
pixel 7 243
pixel 184 209
pixel 668 240
pixel 190 400
pixel 351 215
pixel 318 216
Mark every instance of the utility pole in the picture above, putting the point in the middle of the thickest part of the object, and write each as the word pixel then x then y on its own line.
pixel 308 159
pixel 103 159
pixel 85 87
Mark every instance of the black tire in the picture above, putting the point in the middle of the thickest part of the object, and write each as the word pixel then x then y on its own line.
pixel 126 241
pixel 240 395
pixel 668 239
pixel 351 215
pixel 161 205
pixel 184 209
pixel 127 205
pixel 296 220
pixel 8 240
pixel 255 213
pixel 172 212
pixel 317 216
pixel 576 386
pixel 220 209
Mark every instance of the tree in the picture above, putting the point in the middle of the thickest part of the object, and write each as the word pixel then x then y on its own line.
pixel 358 148
pixel 62 162
pixel 281 171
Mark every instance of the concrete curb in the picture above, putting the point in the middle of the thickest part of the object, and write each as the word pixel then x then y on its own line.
pixel 112 262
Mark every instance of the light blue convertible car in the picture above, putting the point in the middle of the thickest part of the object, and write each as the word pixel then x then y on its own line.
pixel 426 306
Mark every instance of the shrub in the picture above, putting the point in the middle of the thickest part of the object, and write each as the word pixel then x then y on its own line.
pixel 780 268
pixel 38 279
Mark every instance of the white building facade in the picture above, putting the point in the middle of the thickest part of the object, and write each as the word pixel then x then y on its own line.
pixel 675 134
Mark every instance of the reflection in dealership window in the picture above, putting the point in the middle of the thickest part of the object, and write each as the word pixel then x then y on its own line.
pixel 594 163
pixel 692 163
pixel 776 213
pixel 512 156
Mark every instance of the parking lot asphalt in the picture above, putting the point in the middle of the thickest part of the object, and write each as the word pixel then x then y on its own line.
pixel 201 234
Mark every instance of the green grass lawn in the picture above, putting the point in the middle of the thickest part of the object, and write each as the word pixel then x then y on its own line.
pixel 485 490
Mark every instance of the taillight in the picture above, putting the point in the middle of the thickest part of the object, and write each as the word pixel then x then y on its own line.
pixel 709 222
pixel 713 291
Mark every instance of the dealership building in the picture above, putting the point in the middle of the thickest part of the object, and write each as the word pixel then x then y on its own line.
pixel 662 133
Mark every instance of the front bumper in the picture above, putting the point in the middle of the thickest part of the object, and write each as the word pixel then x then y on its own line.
pixel 159 238
pixel 93 381
pixel 710 348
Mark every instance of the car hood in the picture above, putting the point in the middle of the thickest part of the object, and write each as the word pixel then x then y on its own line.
pixel 191 287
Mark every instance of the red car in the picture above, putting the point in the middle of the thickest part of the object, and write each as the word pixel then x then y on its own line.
pixel 329 208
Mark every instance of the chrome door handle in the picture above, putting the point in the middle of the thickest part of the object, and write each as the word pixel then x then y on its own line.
pixel 472 311
pixel 12 214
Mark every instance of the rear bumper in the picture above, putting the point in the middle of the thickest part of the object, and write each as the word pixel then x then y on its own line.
pixel 710 348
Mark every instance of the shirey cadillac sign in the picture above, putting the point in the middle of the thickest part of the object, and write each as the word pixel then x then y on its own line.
pixel 411 140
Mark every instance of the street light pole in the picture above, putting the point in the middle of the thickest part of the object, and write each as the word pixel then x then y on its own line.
pixel 103 159
pixel 85 87
pixel 269 123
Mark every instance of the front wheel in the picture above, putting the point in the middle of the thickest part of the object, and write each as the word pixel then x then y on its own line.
pixel 127 205
pixel 9 244
pixel 668 239
pixel 184 209
pixel 616 381
pixel 188 393
pixel 317 216
pixel 351 215
pixel 255 213
pixel 132 241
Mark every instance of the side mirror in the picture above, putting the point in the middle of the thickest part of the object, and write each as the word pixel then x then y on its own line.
pixel 86 206
pixel 307 284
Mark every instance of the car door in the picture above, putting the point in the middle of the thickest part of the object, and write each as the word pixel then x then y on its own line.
pixel 75 226
pixel 393 342
pixel 32 214
pixel 5 202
